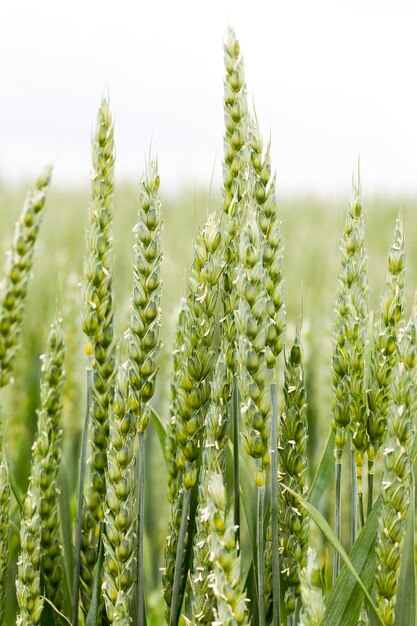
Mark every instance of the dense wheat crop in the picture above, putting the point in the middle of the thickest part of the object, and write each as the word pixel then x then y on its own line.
pixel 210 419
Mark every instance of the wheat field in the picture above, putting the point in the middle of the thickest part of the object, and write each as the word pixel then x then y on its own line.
pixel 208 400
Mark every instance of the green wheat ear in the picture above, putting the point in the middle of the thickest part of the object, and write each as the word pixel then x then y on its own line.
pixel 294 522
pixel 145 320
pixel 18 273
pixel 191 395
pixel 97 324
pixel 146 295
pixel 47 458
pixel 41 550
pixel 213 462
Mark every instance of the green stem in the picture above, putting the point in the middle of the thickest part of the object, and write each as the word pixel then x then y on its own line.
pixel 361 510
pixel 141 529
pixel 236 479
pixel 179 558
pixel 80 497
pixel 274 509
pixel 354 530
pixel 337 512
pixel 261 554
pixel 370 486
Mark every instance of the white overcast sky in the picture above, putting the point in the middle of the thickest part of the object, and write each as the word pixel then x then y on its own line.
pixel 330 79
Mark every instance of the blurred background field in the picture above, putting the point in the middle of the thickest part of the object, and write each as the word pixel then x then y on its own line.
pixel 311 227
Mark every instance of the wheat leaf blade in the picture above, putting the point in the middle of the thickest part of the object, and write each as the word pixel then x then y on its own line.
pixel 323 525
pixel 324 473
pixel 160 430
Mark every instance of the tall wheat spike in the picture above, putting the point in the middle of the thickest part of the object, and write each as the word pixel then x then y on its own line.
pixel 98 321
pixel 348 386
pixel 313 603
pixel 144 336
